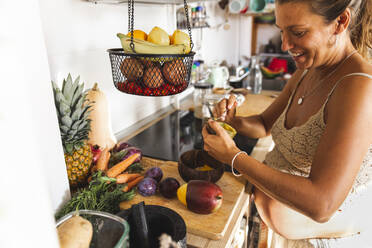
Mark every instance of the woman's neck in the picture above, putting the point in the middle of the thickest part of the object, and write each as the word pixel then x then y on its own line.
pixel 338 54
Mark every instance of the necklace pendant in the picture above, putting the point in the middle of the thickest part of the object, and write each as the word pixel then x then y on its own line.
pixel 300 100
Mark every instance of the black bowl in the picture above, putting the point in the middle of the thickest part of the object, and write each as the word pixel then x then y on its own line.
pixel 159 220
pixel 193 159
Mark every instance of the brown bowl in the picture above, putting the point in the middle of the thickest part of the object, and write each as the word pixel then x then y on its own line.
pixel 193 159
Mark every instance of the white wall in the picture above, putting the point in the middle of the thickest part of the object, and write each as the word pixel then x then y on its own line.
pixel 31 158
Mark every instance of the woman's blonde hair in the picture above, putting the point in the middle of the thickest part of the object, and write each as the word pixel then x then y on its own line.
pixel 360 27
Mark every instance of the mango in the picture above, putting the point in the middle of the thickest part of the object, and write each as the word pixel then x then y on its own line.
pixel 200 196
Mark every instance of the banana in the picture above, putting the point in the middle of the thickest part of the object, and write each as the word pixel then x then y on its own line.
pixel 145 47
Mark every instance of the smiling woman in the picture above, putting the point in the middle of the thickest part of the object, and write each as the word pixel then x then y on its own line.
pixel 314 188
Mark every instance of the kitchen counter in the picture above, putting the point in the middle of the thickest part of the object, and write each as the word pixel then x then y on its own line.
pixel 253 104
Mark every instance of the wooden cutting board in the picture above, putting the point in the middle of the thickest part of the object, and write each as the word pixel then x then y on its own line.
pixel 212 226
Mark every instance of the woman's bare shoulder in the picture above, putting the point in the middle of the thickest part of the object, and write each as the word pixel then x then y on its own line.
pixel 360 65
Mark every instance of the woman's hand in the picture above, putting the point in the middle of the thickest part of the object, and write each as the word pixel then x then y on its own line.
pixel 220 146
pixel 225 110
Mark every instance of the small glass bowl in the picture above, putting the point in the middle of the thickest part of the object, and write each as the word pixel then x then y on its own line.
pixel 109 231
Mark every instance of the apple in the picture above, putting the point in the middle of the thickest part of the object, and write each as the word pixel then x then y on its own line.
pixel 200 196
pixel 96 152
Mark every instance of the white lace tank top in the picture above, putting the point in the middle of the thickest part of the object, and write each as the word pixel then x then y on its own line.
pixel 295 148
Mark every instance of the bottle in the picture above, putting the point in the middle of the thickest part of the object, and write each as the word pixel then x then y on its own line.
pixel 193 17
pixel 255 76
pixel 200 92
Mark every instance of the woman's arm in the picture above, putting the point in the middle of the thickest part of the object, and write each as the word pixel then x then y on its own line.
pixel 337 160
pixel 256 126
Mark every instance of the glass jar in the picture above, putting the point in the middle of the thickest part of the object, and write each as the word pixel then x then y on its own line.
pixel 255 76
pixel 200 108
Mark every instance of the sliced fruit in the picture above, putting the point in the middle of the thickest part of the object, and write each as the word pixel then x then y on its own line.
pixel 269 73
pixel 204 168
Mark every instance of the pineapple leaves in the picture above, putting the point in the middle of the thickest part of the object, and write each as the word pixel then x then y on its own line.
pixel 69 148
pixel 66 89
pixel 76 124
pixel 77 94
pixel 67 121
pixel 64 109
pixel 73 113
pixel 64 129
pixel 76 114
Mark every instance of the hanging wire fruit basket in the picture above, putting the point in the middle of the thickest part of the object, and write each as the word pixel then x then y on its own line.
pixel 145 69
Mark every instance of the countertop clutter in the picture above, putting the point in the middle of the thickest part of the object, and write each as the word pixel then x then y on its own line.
pixel 218 229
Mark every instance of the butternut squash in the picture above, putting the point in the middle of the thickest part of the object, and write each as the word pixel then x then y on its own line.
pixel 100 126
pixel 75 232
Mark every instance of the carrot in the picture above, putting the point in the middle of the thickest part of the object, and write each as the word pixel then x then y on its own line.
pixel 132 183
pixel 122 166
pixel 102 162
pixel 89 179
pixel 126 177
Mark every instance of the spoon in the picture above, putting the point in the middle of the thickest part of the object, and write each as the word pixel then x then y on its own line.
pixel 211 113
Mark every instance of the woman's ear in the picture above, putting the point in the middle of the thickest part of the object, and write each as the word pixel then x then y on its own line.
pixel 343 21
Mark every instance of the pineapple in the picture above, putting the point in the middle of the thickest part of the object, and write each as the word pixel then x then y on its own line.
pixel 74 125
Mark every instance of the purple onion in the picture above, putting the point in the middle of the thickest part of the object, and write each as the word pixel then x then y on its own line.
pixel 130 151
pixel 121 146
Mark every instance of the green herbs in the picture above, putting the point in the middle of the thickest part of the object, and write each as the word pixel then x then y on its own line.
pixel 102 194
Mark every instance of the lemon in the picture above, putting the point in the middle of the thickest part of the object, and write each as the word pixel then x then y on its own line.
pixel 181 38
pixel 181 194
pixel 158 36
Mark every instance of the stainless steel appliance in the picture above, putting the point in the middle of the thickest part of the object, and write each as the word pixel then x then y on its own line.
pixel 175 134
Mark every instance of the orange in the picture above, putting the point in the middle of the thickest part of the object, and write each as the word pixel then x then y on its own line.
pixel 138 34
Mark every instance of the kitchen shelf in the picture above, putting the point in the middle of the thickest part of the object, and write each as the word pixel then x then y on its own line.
pixel 146 1
pixel 195 27
pixel 281 55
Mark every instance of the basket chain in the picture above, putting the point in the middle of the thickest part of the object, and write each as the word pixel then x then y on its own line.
pixel 188 23
pixel 131 22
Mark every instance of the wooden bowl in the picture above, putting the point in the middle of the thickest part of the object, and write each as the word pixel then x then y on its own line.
pixel 190 161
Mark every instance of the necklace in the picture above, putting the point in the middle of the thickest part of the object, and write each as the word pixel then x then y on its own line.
pixel 301 99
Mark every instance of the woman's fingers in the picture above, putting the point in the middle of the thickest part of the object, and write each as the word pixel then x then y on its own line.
pixel 220 108
pixel 216 127
pixel 231 102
